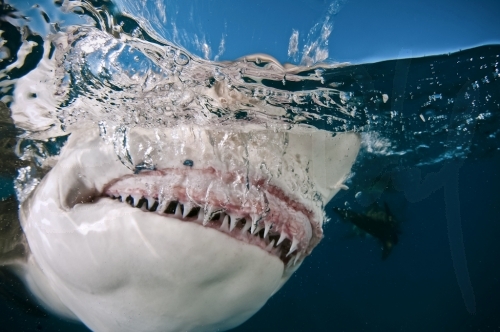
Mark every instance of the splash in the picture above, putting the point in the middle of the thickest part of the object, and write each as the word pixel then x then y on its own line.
pixel 315 49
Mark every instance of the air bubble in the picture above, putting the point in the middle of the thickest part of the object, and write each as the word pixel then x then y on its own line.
pixel 181 59
pixel 435 97
pixel 170 53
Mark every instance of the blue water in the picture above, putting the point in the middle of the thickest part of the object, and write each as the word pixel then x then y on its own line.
pixel 345 286
pixel 444 274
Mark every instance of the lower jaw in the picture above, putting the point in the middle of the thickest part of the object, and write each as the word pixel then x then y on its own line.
pixel 133 271
pixel 239 229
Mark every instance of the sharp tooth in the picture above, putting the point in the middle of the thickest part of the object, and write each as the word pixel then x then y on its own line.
pixel 259 228
pixel 255 217
pixel 155 206
pixel 187 208
pixel 135 199
pixel 255 222
pixel 222 216
pixel 253 228
pixel 162 206
pixel 267 228
pixel 151 201
pixel 208 214
pixel 270 246
pixel 246 227
pixel 295 243
pixel 178 212
pixel 296 258
pixel 201 216
pixel 233 223
pixel 225 224
pixel 282 238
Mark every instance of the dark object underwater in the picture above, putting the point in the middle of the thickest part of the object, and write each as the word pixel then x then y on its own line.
pixel 379 223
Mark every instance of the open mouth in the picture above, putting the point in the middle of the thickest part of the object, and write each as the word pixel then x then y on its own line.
pixel 252 212
pixel 146 227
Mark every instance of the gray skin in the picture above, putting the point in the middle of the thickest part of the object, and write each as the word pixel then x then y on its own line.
pixel 379 223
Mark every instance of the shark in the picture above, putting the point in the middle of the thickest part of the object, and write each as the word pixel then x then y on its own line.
pixel 175 247
pixel 187 226
pixel 377 222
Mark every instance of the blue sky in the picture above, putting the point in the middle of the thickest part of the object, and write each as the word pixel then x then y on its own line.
pixel 363 30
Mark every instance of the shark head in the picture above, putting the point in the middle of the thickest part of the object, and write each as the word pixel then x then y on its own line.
pixel 190 228
pixel 146 223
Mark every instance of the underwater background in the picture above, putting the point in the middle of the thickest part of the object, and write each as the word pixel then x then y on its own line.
pixel 442 186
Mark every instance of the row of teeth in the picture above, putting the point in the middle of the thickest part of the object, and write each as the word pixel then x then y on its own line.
pixel 275 244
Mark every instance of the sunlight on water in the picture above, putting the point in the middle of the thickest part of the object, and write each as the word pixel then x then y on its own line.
pixel 75 65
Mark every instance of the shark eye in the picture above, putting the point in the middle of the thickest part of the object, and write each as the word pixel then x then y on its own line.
pixel 188 162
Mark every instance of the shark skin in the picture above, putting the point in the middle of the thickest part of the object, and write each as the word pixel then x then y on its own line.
pixel 189 229
pixel 379 223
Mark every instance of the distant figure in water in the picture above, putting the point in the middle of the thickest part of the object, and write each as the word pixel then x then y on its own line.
pixel 379 223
